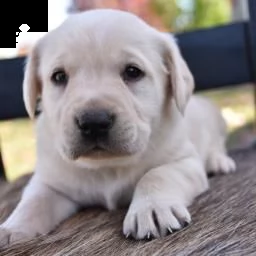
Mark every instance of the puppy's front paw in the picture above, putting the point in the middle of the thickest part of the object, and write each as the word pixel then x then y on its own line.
pixel 8 237
pixel 154 219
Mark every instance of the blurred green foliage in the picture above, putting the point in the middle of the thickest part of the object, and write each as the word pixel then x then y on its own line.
pixel 183 15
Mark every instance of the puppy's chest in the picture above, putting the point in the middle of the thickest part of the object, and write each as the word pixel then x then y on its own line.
pixel 112 191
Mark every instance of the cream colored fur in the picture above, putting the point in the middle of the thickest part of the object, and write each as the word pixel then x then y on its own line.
pixel 161 145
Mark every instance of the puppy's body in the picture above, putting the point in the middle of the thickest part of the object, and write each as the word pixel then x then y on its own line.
pixel 207 131
pixel 146 148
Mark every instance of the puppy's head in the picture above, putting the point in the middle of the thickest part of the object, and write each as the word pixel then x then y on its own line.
pixel 104 78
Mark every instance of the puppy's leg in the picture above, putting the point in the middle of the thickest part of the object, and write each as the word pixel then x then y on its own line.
pixel 218 160
pixel 38 212
pixel 161 198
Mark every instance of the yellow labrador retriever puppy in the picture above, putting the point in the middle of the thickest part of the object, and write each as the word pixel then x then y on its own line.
pixel 116 128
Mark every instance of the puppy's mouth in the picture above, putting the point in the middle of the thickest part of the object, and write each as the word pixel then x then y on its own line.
pixel 97 151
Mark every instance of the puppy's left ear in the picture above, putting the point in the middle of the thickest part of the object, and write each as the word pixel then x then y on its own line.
pixel 179 76
pixel 31 82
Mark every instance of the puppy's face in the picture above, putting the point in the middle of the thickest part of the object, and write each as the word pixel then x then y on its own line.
pixel 104 78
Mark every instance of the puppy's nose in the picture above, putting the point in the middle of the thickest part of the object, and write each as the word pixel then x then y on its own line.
pixel 95 123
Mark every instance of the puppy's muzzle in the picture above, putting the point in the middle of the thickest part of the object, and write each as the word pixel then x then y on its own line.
pixel 95 125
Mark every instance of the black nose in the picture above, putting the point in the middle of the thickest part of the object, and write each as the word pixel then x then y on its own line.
pixel 95 123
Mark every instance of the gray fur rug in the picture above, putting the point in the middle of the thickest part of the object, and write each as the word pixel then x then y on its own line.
pixel 224 223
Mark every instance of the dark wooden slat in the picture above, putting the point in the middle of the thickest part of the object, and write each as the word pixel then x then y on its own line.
pixel 11 76
pixel 218 56
pixel 11 103
pixel 252 36
pixel 252 48
pixel 2 170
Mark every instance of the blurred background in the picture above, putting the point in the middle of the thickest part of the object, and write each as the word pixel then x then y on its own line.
pixel 237 104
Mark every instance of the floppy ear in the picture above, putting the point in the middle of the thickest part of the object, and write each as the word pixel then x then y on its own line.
pixel 180 78
pixel 31 83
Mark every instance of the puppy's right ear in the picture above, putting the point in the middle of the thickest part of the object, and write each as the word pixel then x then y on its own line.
pixel 180 78
pixel 31 83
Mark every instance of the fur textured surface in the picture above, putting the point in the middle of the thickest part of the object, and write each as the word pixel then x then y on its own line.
pixel 224 223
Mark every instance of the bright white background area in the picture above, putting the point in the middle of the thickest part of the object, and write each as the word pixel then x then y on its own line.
pixel 57 13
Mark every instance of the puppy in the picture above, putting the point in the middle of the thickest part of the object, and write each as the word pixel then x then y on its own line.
pixel 116 129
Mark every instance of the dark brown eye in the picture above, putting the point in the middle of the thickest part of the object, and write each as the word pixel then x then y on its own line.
pixel 132 73
pixel 59 77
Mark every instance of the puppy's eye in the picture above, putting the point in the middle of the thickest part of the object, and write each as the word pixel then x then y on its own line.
pixel 132 73
pixel 59 77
